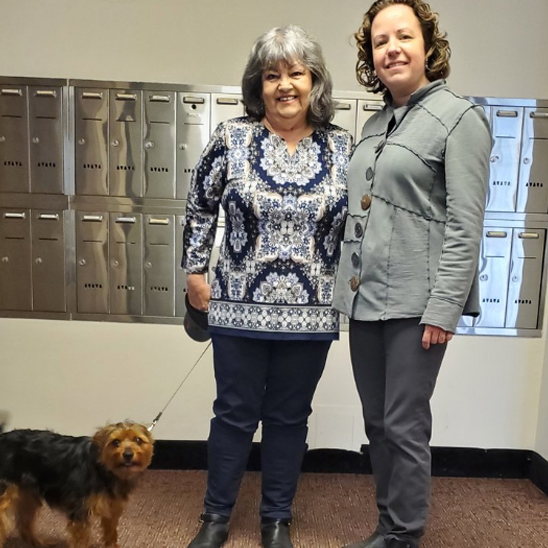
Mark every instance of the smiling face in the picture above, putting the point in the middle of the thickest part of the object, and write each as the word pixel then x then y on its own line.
pixel 398 51
pixel 286 94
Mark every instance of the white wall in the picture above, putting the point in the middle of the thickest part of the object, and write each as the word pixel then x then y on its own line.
pixel 74 376
pixel 497 44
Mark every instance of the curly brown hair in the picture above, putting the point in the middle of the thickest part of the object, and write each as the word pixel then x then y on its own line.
pixel 436 46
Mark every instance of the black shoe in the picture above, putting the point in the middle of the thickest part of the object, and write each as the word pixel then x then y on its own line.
pixel 376 540
pixel 213 532
pixel 275 533
pixel 398 543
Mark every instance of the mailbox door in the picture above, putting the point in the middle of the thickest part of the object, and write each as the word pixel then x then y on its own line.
pixel 525 278
pixel 91 141
pixel 46 140
pixel 159 144
pixel 125 134
pixel 14 140
pixel 225 106
pixel 366 109
pixel 494 271
pixel 159 266
pixel 92 286
pixel 503 176
pixel 15 260
pixel 180 274
pixel 346 114
pixel 48 261
pixel 126 264
pixel 193 130
pixel 533 169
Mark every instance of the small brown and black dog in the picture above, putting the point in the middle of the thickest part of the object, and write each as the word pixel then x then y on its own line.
pixel 81 476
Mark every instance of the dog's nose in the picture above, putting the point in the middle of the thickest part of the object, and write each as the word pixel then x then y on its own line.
pixel 128 455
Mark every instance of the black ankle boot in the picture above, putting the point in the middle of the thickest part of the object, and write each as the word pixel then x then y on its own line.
pixel 376 540
pixel 398 543
pixel 213 532
pixel 275 533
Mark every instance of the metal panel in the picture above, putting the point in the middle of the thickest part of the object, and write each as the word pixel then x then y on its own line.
pixel 92 287
pixel 503 178
pixel 46 136
pixel 15 260
pixel 494 271
pixel 125 134
pixel 180 274
pixel 193 130
pixel 14 139
pixel 159 265
pixel 366 109
pixel 225 106
pixel 525 278
pixel 91 138
pixel 533 171
pixel 159 144
pixel 48 260
pixel 126 262
pixel 345 115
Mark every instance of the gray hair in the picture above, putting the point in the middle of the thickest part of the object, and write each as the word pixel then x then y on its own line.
pixel 288 44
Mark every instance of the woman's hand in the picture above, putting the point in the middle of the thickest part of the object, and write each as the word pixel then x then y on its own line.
pixel 435 335
pixel 199 291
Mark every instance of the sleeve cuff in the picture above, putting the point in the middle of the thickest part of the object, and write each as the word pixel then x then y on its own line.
pixel 442 313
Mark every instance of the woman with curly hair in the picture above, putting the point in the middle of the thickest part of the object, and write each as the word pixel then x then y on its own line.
pixel 417 182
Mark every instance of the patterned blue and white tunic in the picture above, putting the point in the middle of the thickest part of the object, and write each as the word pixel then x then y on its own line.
pixel 284 214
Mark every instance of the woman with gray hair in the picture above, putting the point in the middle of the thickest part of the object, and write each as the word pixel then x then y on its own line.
pixel 279 174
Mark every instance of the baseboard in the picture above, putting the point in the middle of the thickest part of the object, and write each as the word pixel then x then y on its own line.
pixel 539 472
pixel 446 461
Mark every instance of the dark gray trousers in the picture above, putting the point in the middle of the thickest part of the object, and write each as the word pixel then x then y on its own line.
pixel 395 378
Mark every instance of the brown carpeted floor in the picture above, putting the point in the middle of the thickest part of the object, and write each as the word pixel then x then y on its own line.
pixel 330 510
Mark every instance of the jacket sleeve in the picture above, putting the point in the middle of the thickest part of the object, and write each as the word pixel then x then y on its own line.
pixel 204 195
pixel 467 154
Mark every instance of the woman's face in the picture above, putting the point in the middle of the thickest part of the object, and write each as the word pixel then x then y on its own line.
pixel 286 92
pixel 398 51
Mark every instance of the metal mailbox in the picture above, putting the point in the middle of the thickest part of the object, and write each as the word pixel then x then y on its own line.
pixel 48 261
pixel 366 109
pixel 14 139
pixel 180 274
pixel 46 139
pixel 125 135
pixel 91 141
pixel 15 260
pixel 193 130
pixel 159 265
pixel 506 126
pixel 126 262
pixel 525 278
pixel 224 107
pixel 533 170
pixel 494 271
pixel 92 283
pixel 345 115
pixel 159 144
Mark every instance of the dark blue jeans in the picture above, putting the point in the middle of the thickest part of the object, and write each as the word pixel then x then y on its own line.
pixel 272 381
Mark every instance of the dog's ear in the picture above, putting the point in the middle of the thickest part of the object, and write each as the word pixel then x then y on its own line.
pixel 102 436
pixel 146 432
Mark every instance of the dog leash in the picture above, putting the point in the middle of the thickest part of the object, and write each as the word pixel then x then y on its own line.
pixel 157 418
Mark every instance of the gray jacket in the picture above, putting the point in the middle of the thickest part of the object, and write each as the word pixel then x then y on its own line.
pixel 416 198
